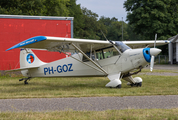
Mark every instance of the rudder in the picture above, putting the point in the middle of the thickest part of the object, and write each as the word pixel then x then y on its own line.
pixel 29 59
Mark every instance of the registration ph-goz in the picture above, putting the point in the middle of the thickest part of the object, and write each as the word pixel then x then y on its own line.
pixel 59 69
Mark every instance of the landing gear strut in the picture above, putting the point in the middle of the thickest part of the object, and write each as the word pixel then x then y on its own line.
pixel 25 80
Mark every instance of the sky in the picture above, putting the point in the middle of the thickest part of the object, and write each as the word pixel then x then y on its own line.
pixel 107 8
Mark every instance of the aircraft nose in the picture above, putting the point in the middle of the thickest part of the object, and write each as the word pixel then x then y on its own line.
pixel 154 51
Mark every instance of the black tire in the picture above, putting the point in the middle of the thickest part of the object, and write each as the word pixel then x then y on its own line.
pixel 140 85
pixel 25 82
pixel 119 86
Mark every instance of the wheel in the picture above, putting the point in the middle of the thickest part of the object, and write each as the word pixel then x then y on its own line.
pixel 139 84
pixel 119 86
pixel 136 84
pixel 25 82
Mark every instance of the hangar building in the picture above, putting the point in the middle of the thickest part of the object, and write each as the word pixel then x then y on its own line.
pixel 173 50
pixel 17 28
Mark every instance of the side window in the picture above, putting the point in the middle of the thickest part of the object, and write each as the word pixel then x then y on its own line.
pixel 84 58
pixel 101 54
pixel 110 52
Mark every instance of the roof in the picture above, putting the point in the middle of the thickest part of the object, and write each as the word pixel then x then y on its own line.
pixel 36 17
pixel 173 39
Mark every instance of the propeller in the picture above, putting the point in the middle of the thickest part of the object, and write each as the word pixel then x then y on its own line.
pixel 152 63
pixel 152 52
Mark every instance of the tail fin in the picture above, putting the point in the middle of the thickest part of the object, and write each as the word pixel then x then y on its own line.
pixel 29 59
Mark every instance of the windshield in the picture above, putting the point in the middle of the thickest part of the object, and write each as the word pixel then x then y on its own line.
pixel 121 46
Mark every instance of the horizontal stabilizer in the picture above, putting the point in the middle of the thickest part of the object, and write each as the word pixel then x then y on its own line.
pixel 20 69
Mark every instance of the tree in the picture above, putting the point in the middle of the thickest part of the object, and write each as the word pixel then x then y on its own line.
pixel 132 35
pixel 76 12
pixel 90 26
pixel 114 28
pixel 56 7
pixel 21 7
pixel 35 7
pixel 148 17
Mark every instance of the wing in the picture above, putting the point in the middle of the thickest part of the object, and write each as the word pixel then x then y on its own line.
pixel 66 44
pixel 143 44
pixel 63 44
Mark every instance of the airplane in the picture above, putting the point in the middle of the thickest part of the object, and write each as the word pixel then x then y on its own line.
pixel 92 58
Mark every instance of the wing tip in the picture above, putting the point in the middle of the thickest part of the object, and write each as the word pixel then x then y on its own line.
pixel 167 41
pixel 28 41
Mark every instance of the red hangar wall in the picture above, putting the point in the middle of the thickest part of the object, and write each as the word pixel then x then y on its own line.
pixel 17 28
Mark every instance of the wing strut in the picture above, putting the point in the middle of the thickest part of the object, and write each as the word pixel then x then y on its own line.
pixel 90 59
pixel 80 61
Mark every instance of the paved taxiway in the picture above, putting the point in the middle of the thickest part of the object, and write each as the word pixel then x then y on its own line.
pixel 89 103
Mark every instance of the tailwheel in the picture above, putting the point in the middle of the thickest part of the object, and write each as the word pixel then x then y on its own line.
pixel 25 80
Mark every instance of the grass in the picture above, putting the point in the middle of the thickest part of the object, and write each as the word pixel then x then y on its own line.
pixel 159 70
pixel 129 114
pixel 10 87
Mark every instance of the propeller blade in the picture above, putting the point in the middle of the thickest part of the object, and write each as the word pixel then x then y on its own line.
pixel 155 40
pixel 152 63
pixel 155 52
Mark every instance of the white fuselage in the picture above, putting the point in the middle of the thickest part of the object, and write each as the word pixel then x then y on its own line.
pixel 68 67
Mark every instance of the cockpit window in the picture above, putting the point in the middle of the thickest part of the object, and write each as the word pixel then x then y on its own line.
pixel 121 46
pixel 101 54
pixel 106 53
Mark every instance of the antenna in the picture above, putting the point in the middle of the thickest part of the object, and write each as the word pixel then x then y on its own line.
pixel 111 42
pixel 106 38
pixel 104 35
pixel 122 28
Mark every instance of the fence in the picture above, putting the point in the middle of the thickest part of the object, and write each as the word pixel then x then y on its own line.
pixel 162 59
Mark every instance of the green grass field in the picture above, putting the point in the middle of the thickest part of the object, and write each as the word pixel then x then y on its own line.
pixel 10 87
pixel 129 114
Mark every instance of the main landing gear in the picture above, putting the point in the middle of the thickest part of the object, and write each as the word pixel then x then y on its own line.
pixel 25 80
pixel 138 82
